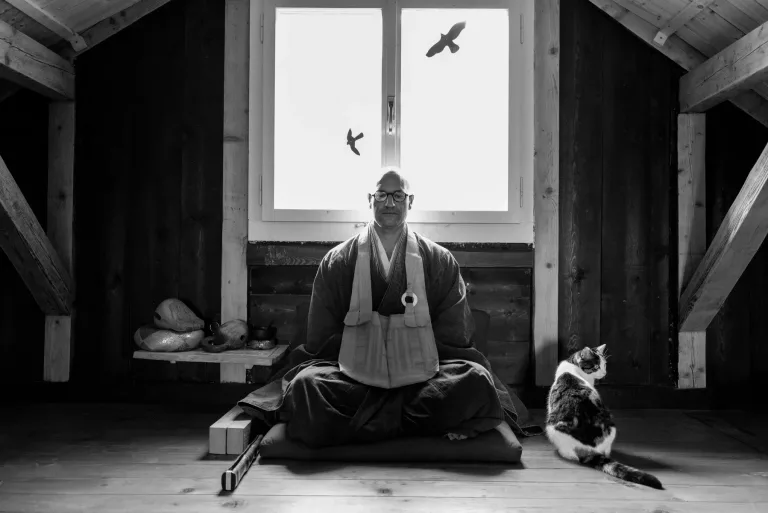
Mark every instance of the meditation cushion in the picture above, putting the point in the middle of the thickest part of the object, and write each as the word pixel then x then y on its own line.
pixel 498 445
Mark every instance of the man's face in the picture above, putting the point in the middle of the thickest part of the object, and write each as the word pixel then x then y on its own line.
pixel 390 213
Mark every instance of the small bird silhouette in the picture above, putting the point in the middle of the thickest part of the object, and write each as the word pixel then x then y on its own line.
pixel 447 40
pixel 351 141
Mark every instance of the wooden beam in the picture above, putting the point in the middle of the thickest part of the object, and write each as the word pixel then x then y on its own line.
pixel 48 21
pixel 691 238
pixel 29 250
pixel 108 27
pixel 28 63
pixel 234 231
pixel 685 15
pixel 735 243
pixel 61 164
pixel 738 67
pixel 546 187
pixel 682 53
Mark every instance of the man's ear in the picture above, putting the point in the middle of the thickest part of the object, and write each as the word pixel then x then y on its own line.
pixel 410 201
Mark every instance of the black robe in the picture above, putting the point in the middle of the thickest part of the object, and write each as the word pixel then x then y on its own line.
pixel 311 394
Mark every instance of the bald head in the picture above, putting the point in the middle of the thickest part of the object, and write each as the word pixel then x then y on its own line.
pixel 394 178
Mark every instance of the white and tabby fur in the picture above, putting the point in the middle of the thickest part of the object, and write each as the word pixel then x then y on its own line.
pixel 578 424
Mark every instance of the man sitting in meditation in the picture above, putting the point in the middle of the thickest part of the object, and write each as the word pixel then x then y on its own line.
pixel 388 350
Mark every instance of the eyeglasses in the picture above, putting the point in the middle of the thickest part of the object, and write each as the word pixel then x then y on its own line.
pixel 398 196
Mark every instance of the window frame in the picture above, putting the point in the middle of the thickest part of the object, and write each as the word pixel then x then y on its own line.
pixel 515 225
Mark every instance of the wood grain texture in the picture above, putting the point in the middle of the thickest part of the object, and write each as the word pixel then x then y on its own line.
pixel 624 321
pixel 23 146
pixel 154 230
pixel 737 240
pixel 201 155
pixel 311 253
pixel 581 174
pixel 691 237
pixel 735 352
pixel 263 357
pixel 234 237
pixel 680 51
pixel 60 228
pixel 44 18
pixel 28 248
pixel 105 28
pixel 106 457
pixel 740 66
pixel 546 187
pixel 26 62
pixel 662 101
pixel 682 17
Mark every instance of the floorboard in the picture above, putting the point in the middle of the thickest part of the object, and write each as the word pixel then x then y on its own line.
pixel 121 458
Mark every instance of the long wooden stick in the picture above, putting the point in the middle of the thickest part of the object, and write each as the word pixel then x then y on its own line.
pixel 234 474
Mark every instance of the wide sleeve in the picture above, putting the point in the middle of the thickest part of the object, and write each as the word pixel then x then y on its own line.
pixel 325 323
pixel 452 321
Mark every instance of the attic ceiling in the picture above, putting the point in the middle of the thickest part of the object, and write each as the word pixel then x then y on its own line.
pixel 691 32
pixel 69 27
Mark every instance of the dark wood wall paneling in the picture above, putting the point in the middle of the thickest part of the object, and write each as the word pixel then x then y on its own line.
pixel 148 185
pixel 737 338
pixel 617 171
pixel 24 149
pixel 498 280
pixel 148 210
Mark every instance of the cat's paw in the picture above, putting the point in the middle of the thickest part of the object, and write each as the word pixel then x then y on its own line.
pixel 454 436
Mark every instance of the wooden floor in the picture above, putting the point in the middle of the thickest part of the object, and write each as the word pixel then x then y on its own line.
pixel 142 459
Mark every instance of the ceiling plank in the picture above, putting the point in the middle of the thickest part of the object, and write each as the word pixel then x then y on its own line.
pixel 30 251
pixel 108 27
pixel 28 63
pixel 49 22
pixel 740 66
pixel 738 238
pixel 688 12
pixel 682 53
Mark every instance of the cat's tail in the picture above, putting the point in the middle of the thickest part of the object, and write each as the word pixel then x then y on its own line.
pixel 616 469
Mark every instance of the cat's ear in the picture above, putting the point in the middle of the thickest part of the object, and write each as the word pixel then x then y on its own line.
pixel 600 349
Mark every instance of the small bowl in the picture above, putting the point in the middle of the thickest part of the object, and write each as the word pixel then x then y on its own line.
pixel 263 332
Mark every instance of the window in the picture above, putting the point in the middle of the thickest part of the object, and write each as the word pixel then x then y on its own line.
pixel 459 123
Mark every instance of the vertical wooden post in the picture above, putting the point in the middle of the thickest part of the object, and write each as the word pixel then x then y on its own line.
pixel 234 232
pixel 546 187
pixel 691 237
pixel 61 164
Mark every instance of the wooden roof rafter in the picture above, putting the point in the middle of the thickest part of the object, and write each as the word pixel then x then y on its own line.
pixel 47 20
pixel 26 62
pixel 685 15
pixel 30 251
pixel 753 102
pixel 67 51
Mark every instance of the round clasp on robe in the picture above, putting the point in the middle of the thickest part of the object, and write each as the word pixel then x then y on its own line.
pixel 409 294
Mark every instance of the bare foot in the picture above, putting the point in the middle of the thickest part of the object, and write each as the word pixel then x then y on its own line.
pixel 454 436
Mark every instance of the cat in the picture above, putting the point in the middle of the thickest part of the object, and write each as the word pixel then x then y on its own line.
pixel 578 423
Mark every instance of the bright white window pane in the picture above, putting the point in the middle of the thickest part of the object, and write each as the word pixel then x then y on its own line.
pixel 328 79
pixel 455 110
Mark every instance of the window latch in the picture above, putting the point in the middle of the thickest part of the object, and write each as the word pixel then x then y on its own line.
pixel 390 115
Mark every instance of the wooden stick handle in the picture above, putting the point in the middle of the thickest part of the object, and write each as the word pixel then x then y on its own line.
pixel 234 474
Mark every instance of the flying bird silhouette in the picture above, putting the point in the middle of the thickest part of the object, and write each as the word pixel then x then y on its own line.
pixel 447 40
pixel 351 141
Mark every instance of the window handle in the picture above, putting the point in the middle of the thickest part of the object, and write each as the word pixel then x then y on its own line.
pixel 390 114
